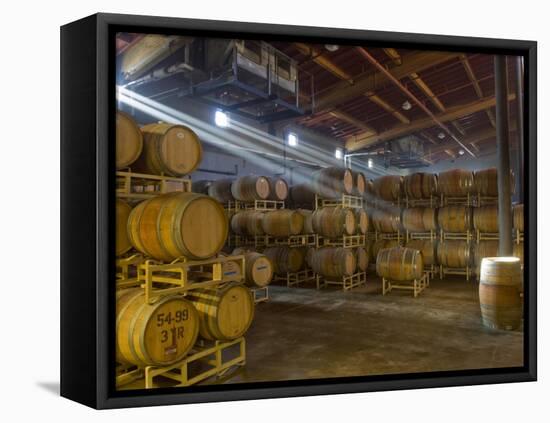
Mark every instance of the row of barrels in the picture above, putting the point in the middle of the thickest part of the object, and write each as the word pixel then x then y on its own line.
pixel 453 219
pixel 157 149
pixel 163 333
pixel 246 188
pixel 330 222
pixel 452 183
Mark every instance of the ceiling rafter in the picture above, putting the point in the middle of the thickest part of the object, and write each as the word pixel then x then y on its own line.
pixel 327 64
pixel 475 83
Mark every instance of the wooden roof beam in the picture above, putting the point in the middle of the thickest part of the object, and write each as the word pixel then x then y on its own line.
pixel 353 121
pixel 475 83
pixel 387 107
pixel 324 62
pixel 360 141
pixel 394 55
pixel 419 82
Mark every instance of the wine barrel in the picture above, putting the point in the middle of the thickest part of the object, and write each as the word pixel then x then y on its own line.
pixel 308 221
pixel 486 219
pixel 333 222
pixel 456 183
pixel 454 253
pixel 302 196
pixel 362 257
pixel 399 264
pixel 362 221
pixel 332 182
pixel 225 313
pixel 168 149
pixel 486 182
pixel 359 183
pixel 427 247
pixel 455 218
pixel 285 259
pixel 380 245
pixel 129 140
pixel 388 187
pixel 156 334
pixel 500 285
pixel 258 269
pixel 419 219
pixel 250 188
pixel 386 221
pixel 122 243
pixel 178 224
pixel 518 252
pixel 420 185
pixel 201 187
pixel 278 189
pixel 220 190
pixel 248 223
pixel 282 223
pixel 518 217
pixel 484 249
pixel 334 262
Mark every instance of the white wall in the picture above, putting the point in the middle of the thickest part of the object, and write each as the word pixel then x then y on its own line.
pixel 29 244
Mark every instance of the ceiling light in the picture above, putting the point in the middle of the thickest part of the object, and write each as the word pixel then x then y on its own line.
pixel 441 135
pixel 406 105
pixel 332 47
pixel 221 119
pixel 370 163
pixel 461 152
pixel 292 139
pixel 338 153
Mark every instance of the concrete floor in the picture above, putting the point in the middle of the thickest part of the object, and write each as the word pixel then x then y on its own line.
pixel 303 333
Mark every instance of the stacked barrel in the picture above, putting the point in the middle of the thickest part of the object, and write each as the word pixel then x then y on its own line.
pixel 156 325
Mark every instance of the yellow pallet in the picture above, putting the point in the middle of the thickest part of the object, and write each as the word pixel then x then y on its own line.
pixel 485 200
pixel 347 201
pixel 485 236
pixel 429 235
pixel 296 278
pixel 433 201
pixel 416 285
pixel 459 236
pixel 518 236
pixel 462 271
pixel 260 205
pixel 347 282
pixel 141 186
pixel 346 241
pixel 467 200
pixel 303 240
pixel 211 355
pixel 260 295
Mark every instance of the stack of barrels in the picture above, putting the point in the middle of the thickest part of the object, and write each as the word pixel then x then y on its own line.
pixel 167 227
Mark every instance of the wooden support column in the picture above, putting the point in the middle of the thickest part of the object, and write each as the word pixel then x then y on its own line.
pixel 503 156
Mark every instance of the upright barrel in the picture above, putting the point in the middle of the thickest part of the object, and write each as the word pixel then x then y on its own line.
pixel 419 219
pixel 399 264
pixel 454 253
pixel 427 247
pixel 225 313
pixel 278 189
pixel 168 149
pixel 500 285
pixel 220 190
pixel 122 243
pixel 178 224
pixel 332 182
pixel 156 334
pixel 334 222
pixel 251 188
pixel 129 140
pixel 455 219
pixel 248 223
pixel 486 219
pixel 420 185
pixel 302 196
pixel 286 259
pixel 283 223
pixel 388 187
pixel 334 262
pixel 456 183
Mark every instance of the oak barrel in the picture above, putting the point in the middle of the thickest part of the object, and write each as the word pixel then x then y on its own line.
pixel 248 223
pixel 399 264
pixel 225 313
pixel 455 219
pixel 486 182
pixel 484 249
pixel 388 187
pixel 454 253
pixel 220 190
pixel 359 183
pixel 427 247
pixel 334 262
pixel 278 189
pixel 251 188
pixel 129 140
pixel 302 196
pixel 285 259
pixel 518 252
pixel 420 185
pixel 308 221
pixel 386 221
pixel 178 224
pixel 122 243
pixel 333 222
pixel 156 334
pixel 419 219
pixel 362 257
pixel 282 223
pixel 380 245
pixel 362 221
pixel 332 182
pixel 258 269
pixel 486 219
pixel 168 149
pixel 456 183
pixel 518 217
pixel 500 284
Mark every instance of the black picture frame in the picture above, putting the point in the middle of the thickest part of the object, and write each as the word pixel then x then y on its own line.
pixel 87 211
